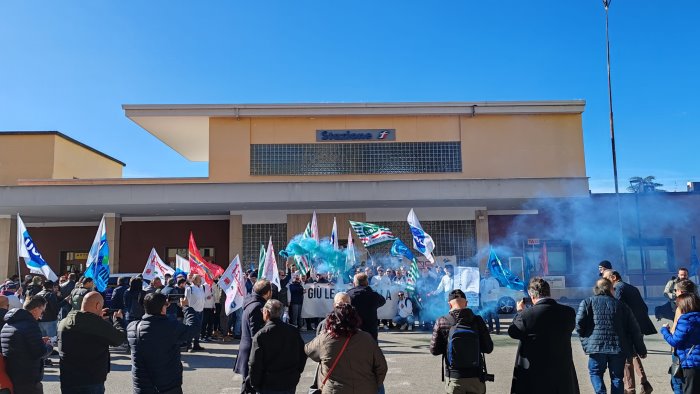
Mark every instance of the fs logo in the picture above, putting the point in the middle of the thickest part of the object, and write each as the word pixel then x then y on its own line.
pixel 383 134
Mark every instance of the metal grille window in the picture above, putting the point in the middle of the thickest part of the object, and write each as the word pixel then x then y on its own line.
pixel 360 158
pixel 452 238
pixel 255 235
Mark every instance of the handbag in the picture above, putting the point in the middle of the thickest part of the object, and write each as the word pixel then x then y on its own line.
pixel 318 390
pixel 675 369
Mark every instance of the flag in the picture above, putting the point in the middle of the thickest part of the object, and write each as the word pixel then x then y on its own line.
pixel 350 255
pixel 545 259
pixel 270 270
pixel 314 228
pixel 307 232
pixel 334 235
pixel 694 263
pixel 182 266
pixel 399 249
pixel 156 268
pixel 413 275
pixel 302 264
pixel 422 242
pixel 198 265
pixel 261 260
pixel 97 265
pixel 371 234
pixel 503 274
pixel 26 249
pixel 235 290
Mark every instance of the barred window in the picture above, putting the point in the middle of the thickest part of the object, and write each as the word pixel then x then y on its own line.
pixel 360 158
pixel 255 235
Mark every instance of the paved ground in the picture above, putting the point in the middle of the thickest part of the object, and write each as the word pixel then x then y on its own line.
pixel 411 367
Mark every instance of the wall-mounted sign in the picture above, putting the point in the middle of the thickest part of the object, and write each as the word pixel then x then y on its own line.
pixel 364 135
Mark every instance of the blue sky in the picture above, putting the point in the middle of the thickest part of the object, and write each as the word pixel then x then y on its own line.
pixel 69 66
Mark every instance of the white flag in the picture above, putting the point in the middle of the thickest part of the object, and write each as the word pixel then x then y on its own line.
pixel 350 259
pixel 422 241
pixel 156 268
pixel 26 249
pixel 229 275
pixel 314 229
pixel 270 271
pixel 334 235
pixel 232 282
pixel 182 264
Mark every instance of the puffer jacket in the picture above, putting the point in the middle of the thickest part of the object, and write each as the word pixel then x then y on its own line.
pixel 23 348
pixel 155 351
pixel 607 326
pixel 686 335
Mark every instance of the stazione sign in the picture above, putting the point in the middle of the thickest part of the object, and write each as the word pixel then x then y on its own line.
pixel 364 135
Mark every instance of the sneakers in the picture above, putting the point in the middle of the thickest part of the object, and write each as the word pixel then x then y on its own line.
pixel 403 327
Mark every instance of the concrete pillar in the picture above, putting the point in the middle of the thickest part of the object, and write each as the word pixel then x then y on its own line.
pixel 235 237
pixel 482 237
pixel 113 222
pixel 8 245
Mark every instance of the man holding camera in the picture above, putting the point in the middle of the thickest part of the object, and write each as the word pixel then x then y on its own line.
pixel 544 362
pixel 468 339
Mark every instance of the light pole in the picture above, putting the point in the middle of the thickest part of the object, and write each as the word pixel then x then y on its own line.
pixel 606 5
pixel 639 239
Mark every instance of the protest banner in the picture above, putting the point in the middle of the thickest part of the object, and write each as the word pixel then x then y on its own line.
pixel 318 299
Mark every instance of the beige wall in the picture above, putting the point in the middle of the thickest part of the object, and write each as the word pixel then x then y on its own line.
pixel 493 146
pixel 25 157
pixel 71 160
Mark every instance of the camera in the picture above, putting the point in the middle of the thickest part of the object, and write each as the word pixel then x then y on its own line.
pixel 489 377
pixel 175 297
pixel 527 301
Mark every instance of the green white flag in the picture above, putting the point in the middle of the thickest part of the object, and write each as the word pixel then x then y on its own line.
pixel 372 234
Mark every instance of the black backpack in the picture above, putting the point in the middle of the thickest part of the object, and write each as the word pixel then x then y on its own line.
pixel 463 349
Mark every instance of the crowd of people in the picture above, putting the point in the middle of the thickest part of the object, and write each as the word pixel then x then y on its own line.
pixel 158 320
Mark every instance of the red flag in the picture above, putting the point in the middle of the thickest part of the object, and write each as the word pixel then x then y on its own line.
pixel 198 265
pixel 545 259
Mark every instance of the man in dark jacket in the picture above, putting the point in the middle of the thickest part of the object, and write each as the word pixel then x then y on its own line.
pixel 84 338
pixel 76 296
pixel 267 370
pixel 4 307
pixel 609 334
pixel 252 322
pixel 460 380
pixel 155 350
pixel 64 297
pixel 544 362
pixel 49 321
pixel 117 300
pixel 630 295
pixel 172 290
pixel 23 347
pixel 366 301
pixel 296 292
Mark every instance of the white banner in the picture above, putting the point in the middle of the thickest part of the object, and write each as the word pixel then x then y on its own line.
pixel 318 300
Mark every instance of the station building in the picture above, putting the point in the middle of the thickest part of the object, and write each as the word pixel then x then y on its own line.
pixel 476 173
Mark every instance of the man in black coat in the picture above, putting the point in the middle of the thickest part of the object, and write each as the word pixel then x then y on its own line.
pixel 84 338
pixel 155 346
pixel 544 362
pixel 631 297
pixel 366 301
pixel 277 356
pixel 251 322
pixel 23 347
pixel 49 320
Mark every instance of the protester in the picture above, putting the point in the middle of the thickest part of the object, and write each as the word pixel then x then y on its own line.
pixel 66 289
pixel 85 286
pixel 544 362
pixel 172 291
pixel 633 299
pixel 207 313
pixel 340 297
pixel 24 348
pixel 4 307
pixel 447 283
pixel 602 266
pixel 84 338
pixel 49 320
pixel 360 366
pixel 133 300
pixel 683 286
pixel 155 285
pixel 296 295
pixel 155 346
pixel 366 301
pixel 251 324
pixel 609 335
pixel 404 313
pixel 488 294
pixel 117 301
pixel 268 372
pixel 35 287
pixel 686 339
pixel 380 280
pixel 194 294
pixel 10 292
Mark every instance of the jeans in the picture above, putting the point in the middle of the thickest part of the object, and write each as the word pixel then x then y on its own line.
pixel 677 385
pixel 48 328
pixel 490 314
pixel 399 321
pixel 615 364
pixel 207 322
pixel 87 389
pixel 295 315
pixel 198 324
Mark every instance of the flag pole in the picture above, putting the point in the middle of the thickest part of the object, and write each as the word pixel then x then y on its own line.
pixel 19 269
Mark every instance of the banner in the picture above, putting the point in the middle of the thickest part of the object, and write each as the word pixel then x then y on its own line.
pixel 27 250
pixel 318 299
pixel 156 268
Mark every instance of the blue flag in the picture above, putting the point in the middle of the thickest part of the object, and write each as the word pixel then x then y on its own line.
pixel 398 248
pixel 27 250
pixel 98 259
pixel 503 274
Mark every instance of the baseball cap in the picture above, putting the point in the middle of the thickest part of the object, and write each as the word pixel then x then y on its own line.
pixel 605 264
pixel 456 293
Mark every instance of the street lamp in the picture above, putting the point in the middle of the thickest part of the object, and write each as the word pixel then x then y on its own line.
pixel 639 239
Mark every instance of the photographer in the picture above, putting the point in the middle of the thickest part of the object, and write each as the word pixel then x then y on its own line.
pixel 84 338
pixel 463 362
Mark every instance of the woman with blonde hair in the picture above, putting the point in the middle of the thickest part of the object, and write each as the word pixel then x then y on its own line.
pixel 686 339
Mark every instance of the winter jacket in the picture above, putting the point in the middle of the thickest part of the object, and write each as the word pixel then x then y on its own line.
pixel 117 300
pixel 607 326
pixel 441 332
pixel 3 311
pixel 366 301
pixel 51 311
pixel 133 305
pixel 83 344
pixel 251 322
pixel 155 351
pixel 544 363
pixel 360 369
pixel 33 290
pixel 296 291
pixel 23 348
pixel 67 288
pixel 686 335
pixel 631 297
pixel 277 357
pixel 76 297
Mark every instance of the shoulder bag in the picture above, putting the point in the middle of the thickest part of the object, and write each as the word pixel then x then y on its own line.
pixel 675 369
pixel 318 390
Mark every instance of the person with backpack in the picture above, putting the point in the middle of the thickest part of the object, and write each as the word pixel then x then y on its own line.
pixel 461 337
pixel 76 296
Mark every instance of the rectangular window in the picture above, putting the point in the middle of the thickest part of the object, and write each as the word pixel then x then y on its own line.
pixel 255 235
pixel 355 158
pixel 658 255
pixel 73 261
pixel 559 261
